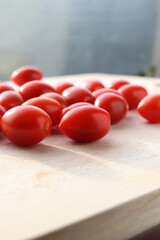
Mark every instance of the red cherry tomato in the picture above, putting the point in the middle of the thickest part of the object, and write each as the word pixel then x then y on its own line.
pixel 50 106
pixel 26 74
pixel 114 104
pixel 92 85
pixel 149 108
pixel 56 96
pixel 77 94
pixel 34 89
pixel 61 86
pixel 85 124
pixel 99 92
pixel 10 99
pixel 2 111
pixel 133 94
pixel 26 125
pixel 117 84
pixel 5 87
pixel 65 110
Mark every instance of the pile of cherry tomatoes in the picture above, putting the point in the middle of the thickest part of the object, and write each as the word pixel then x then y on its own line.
pixel 82 112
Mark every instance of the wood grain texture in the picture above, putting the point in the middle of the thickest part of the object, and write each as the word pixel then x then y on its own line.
pixel 59 189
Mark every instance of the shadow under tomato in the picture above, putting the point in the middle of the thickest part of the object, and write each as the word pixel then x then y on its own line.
pixel 75 161
pixel 56 131
pixel 150 123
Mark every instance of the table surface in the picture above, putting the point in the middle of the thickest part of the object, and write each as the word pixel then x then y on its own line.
pixel 59 189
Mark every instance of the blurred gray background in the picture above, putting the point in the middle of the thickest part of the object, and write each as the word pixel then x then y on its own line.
pixel 78 36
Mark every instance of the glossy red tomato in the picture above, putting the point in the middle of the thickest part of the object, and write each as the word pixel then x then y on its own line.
pixel 85 123
pixel 61 86
pixel 56 96
pixel 10 99
pixel 117 84
pixel 149 108
pixel 133 94
pixel 2 111
pixel 65 110
pixel 77 94
pixel 26 125
pixel 5 87
pixel 92 84
pixel 114 104
pixel 50 106
pixel 99 92
pixel 26 74
pixel 35 89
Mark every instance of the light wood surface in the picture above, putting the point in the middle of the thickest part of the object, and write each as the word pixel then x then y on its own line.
pixel 61 190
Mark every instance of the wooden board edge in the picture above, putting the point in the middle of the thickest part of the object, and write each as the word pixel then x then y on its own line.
pixel 138 215
pixel 98 76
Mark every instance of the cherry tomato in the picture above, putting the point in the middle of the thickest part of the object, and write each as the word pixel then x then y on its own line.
pixel 56 96
pixel 149 108
pixel 114 104
pixel 50 106
pixel 34 89
pixel 61 86
pixel 85 123
pixel 26 74
pixel 117 84
pixel 77 94
pixel 92 85
pixel 133 94
pixel 5 87
pixel 10 99
pixel 26 125
pixel 99 92
pixel 2 111
pixel 65 110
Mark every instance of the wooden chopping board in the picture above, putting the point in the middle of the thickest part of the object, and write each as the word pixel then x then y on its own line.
pixel 61 190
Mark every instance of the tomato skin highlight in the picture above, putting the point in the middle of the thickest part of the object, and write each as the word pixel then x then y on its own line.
pixel 5 87
pixel 114 104
pixel 26 125
pixel 26 74
pixel 92 85
pixel 149 108
pixel 99 92
pixel 61 86
pixel 10 99
pixel 85 124
pixel 74 105
pixel 50 106
pixel 56 96
pixel 77 94
pixel 117 84
pixel 133 94
pixel 34 89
